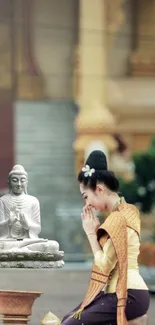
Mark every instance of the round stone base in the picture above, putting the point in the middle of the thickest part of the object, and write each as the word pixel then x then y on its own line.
pixel 32 264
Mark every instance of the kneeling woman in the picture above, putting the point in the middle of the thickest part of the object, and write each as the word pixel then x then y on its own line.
pixel 117 293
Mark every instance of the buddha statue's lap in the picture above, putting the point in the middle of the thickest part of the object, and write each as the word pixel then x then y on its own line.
pixel 20 222
pixel 41 246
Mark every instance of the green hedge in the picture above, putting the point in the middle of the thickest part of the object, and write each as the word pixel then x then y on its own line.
pixel 142 188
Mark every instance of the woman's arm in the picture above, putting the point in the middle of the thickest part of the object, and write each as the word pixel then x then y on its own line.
pixel 105 259
pixel 94 244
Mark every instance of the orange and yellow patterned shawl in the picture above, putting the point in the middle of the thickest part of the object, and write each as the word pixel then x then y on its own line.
pixel 115 226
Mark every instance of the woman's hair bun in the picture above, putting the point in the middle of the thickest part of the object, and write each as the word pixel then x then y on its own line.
pixel 97 160
pixel 98 172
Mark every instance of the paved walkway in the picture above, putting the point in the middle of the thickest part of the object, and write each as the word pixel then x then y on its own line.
pixel 62 289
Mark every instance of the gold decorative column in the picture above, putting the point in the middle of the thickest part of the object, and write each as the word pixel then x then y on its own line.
pixel 94 122
pixel 114 19
pixel 143 58
pixel 29 81
pixel 114 14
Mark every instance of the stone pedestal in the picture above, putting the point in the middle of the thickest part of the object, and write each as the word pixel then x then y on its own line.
pixel 16 306
pixel 32 260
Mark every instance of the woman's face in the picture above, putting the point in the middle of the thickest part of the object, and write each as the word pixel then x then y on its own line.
pixel 96 199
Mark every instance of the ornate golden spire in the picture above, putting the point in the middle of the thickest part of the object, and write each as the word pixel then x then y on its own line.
pixel 94 119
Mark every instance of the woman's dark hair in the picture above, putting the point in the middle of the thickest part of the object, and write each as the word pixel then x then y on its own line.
pixel 97 160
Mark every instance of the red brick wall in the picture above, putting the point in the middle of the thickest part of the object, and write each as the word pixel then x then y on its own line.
pixel 6 140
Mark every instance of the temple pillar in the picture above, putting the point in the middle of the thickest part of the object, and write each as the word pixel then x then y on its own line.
pixel 94 122
pixel 143 57
pixel 114 19
pixel 29 81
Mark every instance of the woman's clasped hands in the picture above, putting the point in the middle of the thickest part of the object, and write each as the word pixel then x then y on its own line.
pixel 90 222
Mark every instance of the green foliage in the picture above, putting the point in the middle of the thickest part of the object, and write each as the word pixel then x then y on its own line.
pixel 129 190
pixel 142 189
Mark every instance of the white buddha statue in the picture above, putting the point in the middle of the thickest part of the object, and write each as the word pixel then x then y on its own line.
pixel 20 222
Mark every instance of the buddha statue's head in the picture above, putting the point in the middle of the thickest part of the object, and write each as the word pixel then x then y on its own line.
pixel 18 180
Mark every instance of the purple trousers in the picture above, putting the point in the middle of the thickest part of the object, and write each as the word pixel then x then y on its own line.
pixel 103 309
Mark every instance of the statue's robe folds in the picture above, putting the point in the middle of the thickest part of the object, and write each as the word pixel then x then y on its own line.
pixel 27 205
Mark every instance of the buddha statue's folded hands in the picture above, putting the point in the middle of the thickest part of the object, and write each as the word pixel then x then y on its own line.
pixel 13 216
pixel 23 221
pixel 17 215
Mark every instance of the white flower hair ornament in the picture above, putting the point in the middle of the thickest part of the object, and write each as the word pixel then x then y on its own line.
pixel 88 171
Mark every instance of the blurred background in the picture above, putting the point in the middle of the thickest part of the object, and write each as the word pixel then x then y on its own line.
pixel 77 76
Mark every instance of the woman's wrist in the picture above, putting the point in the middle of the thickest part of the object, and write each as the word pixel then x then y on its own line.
pixel 92 238
pixel 93 233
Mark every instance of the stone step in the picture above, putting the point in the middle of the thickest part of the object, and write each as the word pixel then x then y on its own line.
pixel 44 146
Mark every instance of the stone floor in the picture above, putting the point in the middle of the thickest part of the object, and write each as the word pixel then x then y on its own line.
pixel 62 289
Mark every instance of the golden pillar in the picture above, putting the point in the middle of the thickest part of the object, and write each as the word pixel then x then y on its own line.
pixel 29 81
pixel 94 122
pixel 143 57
